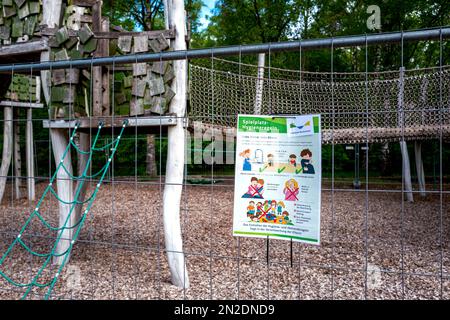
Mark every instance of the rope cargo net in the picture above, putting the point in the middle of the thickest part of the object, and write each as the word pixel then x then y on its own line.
pixel 364 107
pixel 46 276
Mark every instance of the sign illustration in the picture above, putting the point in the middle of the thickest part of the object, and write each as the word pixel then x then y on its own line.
pixel 278 178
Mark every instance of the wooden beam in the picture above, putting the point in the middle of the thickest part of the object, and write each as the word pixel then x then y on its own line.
pixel 97 74
pixel 84 145
pixel 7 148
pixel 30 156
pixel 65 192
pixel 85 18
pixel 154 34
pixel 104 48
pixel 419 167
pixel 116 122
pixel 406 172
pixel 24 48
pixel 51 12
pixel 84 3
pixel 16 155
pixel 97 16
pixel 18 104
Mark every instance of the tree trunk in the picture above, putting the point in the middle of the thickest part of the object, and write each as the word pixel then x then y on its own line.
pixel 175 156
pixel 385 158
pixel 7 148
pixel 151 156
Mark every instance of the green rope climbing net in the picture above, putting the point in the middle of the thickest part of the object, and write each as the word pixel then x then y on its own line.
pixel 34 283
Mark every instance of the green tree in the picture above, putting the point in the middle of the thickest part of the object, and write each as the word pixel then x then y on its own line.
pixel 136 14
pixel 250 21
pixel 146 14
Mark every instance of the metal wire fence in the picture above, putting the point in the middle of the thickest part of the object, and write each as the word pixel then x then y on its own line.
pixel 375 245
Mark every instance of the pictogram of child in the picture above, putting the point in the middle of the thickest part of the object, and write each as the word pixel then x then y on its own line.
pixel 280 208
pixel 270 160
pixel 307 167
pixel 291 190
pixel 251 209
pixel 272 213
pixel 293 160
pixel 259 189
pixel 285 217
pixel 247 166
pixel 252 188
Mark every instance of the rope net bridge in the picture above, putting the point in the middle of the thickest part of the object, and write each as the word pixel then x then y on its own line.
pixel 401 105
pixel 68 232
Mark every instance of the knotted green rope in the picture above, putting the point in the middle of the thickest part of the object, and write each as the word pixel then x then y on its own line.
pixel 65 226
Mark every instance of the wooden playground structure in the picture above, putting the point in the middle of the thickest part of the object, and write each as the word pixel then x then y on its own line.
pixel 146 96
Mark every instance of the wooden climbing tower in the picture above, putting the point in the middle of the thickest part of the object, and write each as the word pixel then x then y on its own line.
pixel 32 30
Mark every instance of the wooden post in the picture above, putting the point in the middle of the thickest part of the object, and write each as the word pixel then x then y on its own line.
pixel 406 171
pixel 7 148
pixel 46 77
pixel 51 14
pixel 65 190
pixel 175 156
pixel 97 74
pixel 167 12
pixel 406 168
pixel 17 157
pixel 419 167
pixel 260 83
pixel 83 145
pixel 30 156
pixel 104 48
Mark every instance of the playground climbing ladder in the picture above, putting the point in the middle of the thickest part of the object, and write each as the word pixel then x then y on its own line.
pixel 78 224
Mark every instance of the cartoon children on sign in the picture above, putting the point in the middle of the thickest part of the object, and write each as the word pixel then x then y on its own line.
pixel 255 189
pixel 272 212
pixel 251 209
pixel 270 160
pixel 293 160
pixel 285 218
pixel 275 212
pixel 259 209
pixel 291 190
pixel 280 207
pixel 247 164
pixel 305 163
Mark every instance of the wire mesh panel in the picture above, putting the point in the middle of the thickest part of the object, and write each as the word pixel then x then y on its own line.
pixel 374 244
